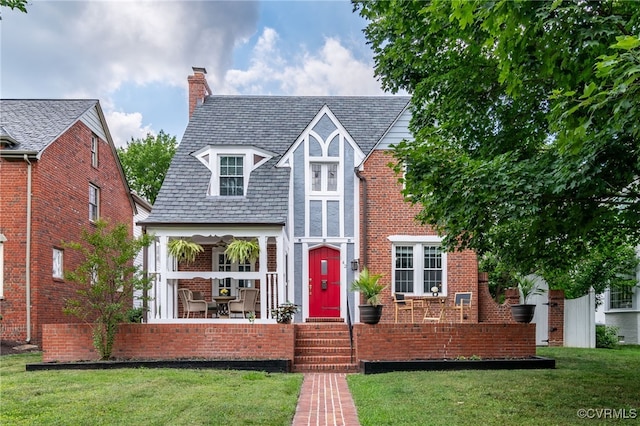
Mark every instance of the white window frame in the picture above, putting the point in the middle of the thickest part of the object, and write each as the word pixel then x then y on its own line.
pixel 94 150
pixel 231 284
pixel 622 298
pixel 242 176
pixel 324 177
pixel 418 243
pixel 94 202
pixel 58 263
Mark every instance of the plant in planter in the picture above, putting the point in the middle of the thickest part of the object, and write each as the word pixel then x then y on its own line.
pixel 368 285
pixel 184 250
pixel 243 251
pixel 524 311
pixel 285 312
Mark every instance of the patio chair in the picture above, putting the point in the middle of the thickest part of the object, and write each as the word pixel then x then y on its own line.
pixel 402 304
pixel 189 304
pixel 436 316
pixel 460 301
pixel 212 306
pixel 245 303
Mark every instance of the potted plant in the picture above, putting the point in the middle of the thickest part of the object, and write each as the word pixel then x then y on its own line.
pixel 184 250
pixel 367 284
pixel 242 251
pixel 524 311
pixel 284 313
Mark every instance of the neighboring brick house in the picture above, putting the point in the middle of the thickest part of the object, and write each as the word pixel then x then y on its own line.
pixel 59 172
pixel 307 177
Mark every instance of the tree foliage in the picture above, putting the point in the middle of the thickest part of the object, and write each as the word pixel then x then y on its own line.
pixel 146 162
pixel 105 280
pixel 21 5
pixel 525 122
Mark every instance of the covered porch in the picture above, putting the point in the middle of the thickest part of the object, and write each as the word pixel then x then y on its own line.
pixel 213 276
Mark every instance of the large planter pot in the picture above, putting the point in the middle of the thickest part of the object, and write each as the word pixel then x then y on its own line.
pixel 523 313
pixel 370 314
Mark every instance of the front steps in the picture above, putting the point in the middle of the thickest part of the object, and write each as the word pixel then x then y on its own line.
pixel 323 347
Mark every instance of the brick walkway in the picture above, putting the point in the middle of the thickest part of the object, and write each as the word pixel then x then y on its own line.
pixel 325 400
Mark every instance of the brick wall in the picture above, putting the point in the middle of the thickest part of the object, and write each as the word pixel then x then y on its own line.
pixel 60 211
pixel 72 342
pixel 491 311
pixel 398 342
pixel 389 342
pixel 556 317
pixel 389 214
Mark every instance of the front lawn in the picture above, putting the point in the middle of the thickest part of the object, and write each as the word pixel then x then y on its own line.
pixel 143 396
pixel 595 380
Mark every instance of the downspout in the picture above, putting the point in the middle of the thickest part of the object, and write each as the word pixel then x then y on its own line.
pixel 365 215
pixel 28 249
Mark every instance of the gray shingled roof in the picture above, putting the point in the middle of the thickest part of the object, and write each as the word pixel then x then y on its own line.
pixel 272 123
pixel 35 123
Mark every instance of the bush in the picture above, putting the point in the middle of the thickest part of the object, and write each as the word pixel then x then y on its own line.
pixel 606 336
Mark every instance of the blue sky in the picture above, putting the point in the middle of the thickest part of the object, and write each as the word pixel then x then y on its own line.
pixel 135 56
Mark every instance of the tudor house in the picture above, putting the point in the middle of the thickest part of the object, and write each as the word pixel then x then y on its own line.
pixel 308 178
pixel 59 173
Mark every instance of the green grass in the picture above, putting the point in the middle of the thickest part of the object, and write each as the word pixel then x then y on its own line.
pixel 583 379
pixel 143 396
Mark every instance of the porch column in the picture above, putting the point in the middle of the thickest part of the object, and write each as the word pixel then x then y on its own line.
pixel 264 286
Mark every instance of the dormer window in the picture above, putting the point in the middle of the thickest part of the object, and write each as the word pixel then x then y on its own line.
pixel 231 167
pixel 231 175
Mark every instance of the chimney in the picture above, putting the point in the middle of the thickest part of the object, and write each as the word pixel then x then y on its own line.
pixel 198 88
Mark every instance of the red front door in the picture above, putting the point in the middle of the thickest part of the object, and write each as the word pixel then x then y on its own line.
pixel 324 282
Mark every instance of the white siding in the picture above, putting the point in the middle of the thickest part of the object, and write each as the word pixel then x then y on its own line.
pixel 397 132
pixel 92 120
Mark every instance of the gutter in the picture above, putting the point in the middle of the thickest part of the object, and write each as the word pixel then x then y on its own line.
pixel 365 215
pixel 28 250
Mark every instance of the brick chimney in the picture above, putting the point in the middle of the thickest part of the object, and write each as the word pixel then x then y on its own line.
pixel 198 88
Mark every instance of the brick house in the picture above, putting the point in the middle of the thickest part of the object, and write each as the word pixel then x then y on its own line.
pixel 59 172
pixel 307 177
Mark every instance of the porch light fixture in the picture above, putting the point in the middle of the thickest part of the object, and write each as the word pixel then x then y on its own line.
pixel 434 291
pixel 354 265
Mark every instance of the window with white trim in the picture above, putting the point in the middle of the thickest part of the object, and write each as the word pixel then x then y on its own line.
pixel 231 175
pixel 418 267
pixel 94 150
pixel 58 257
pixel 621 298
pixel 324 177
pixel 94 203
pixel 232 286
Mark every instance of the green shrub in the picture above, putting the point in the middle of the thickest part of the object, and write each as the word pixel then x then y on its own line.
pixel 606 336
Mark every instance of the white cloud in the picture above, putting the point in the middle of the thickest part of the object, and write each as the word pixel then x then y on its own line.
pixel 331 71
pixel 125 126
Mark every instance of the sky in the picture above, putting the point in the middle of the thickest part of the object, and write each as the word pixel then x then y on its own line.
pixel 135 56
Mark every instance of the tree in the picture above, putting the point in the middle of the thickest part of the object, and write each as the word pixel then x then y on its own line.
pixel 525 122
pixel 146 162
pixel 21 5
pixel 105 280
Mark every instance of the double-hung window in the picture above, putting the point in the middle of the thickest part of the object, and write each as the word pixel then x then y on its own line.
pixel 94 203
pixel 94 150
pixel 324 177
pixel 418 267
pixel 231 175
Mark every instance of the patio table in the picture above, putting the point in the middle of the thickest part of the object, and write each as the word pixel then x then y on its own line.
pixel 223 304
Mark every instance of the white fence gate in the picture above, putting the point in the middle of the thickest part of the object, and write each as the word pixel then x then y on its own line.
pixel 580 321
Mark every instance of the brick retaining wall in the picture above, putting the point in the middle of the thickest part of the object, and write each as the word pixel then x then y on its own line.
pixel 403 342
pixel 73 342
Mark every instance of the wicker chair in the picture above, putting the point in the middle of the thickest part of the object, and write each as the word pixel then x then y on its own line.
pixel 245 303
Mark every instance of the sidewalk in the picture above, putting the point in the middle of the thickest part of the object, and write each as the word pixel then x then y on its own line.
pixel 325 400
